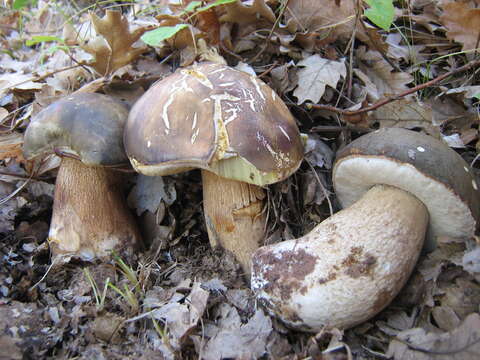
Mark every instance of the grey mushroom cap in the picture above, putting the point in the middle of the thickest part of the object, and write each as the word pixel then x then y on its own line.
pixel 419 164
pixel 87 125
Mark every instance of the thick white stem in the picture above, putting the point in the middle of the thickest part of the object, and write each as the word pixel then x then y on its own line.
pixel 346 269
pixel 90 217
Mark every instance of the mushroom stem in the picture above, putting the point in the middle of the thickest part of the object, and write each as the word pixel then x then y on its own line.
pixel 234 215
pixel 90 217
pixel 349 267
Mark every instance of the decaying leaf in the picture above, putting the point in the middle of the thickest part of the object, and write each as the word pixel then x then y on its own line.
pixel 316 73
pixel 381 73
pixel 181 318
pixel 462 343
pixel 112 47
pixel 247 11
pixel 328 20
pixel 471 261
pixel 463 24
pixel 406 113
pixel 149 192
pixel 11 146
pixel 232 339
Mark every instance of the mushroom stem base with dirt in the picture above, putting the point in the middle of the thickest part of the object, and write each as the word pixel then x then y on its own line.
pixel 349 267
pixel 234 215
pixel 90 217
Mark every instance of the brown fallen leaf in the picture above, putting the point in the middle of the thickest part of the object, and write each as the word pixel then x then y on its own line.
pixel 11 146
pixel 240 13
pixel 329 20
pixel 112 47
pixel 232 339
pixel 381 73
pixel 463 24
pixel 315 74
pixel 405 113
pixel 462 343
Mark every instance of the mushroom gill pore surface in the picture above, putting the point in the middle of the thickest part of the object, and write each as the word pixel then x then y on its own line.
pixel 353 264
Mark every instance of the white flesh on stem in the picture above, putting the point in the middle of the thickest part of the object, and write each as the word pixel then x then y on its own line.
pixel 90 216
pixel 349 267
pixel 234 215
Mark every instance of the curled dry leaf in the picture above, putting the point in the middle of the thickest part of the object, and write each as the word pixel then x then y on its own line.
pixel 463 23
pixel 112 47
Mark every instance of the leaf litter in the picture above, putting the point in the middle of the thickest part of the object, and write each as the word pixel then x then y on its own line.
pixel 182 300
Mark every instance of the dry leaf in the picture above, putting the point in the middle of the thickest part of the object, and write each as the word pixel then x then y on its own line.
pixel 247 12
pixel 232 339
pixel 405 113
pixel 149 191
pixel 463 343
pixel 112 47
pixel 463 24
pixel 181 318
pixel 11 146
pixel 381 73
pixel 316 73
pixel 327 19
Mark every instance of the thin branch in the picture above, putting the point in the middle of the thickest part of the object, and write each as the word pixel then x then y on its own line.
pixel 390 99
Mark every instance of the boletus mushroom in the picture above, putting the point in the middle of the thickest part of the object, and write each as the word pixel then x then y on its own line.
pixel 235 129
pixel 397 185
pixel 90 217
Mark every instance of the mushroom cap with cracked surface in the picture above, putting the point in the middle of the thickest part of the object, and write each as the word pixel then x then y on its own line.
pixel 87 125
pixel 419 164
pixel 216 118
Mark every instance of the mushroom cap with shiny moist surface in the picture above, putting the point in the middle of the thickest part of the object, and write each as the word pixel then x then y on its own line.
pixel 216 118
pixel 419 164
pixel 87 125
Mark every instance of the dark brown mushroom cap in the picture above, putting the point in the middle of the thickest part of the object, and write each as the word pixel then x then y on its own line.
pixel 420 164
pixel 210 116
pixel 87 125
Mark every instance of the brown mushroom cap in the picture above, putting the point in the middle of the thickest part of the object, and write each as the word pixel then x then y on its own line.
pixel 87 125
pixel 419 164
pixel 213 117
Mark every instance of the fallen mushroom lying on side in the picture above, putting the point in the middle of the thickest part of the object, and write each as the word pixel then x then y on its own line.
pixel 398 186
pixel 90 217
pixel 232 126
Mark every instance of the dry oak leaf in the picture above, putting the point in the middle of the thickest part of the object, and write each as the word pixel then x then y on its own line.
pixel 463 24
pixel 462 343
pixel 112 47
pixel 380 72
pixel 329 19
pixel 247 12
pixel 316 73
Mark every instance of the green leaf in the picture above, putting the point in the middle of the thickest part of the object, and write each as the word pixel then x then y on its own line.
pixel 155 37
pixel 216 3
pixel 42 38
pixel 477 96
pixel 381 13
pixel 19 4
pixel 192 6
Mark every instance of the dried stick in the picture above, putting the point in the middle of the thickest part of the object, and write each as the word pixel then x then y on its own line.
pixel 394 97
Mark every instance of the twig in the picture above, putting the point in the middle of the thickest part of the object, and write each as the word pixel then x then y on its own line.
pixel 42 77
pixel 266 72
pixel 395 97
